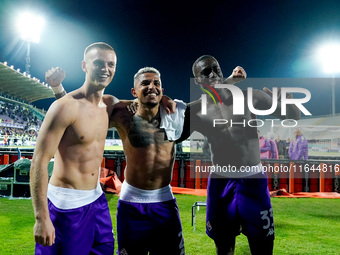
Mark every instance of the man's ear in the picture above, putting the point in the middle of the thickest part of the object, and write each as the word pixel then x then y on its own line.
pixel 83 66
pixel 133 92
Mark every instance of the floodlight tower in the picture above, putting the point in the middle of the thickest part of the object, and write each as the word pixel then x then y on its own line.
pixel 29 27
pixel 329 55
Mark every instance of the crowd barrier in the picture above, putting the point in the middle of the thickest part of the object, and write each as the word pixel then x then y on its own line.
pixel 293 176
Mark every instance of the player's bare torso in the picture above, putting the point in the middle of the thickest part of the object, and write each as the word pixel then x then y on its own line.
pixel 232 142
pixel 149 155
pixel 81 148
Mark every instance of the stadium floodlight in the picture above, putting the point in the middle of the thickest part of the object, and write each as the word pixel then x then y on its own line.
pixel 29 27
pixel 329 56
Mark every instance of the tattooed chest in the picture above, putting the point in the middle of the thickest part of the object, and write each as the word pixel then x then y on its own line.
pixel 143 133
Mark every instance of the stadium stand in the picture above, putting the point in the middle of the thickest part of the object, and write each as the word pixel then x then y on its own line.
pixel 18 124
pixel 20 87
pixel 322 133
pixel 19 119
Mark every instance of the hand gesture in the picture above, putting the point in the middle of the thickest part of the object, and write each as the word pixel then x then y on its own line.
pixel 55 76
pixel 133 107
pixel 238 74
pixel 168 104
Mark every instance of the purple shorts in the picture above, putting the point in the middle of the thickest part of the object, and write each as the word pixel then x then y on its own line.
pixel 83 230
pixel 149 227
pixel 239 205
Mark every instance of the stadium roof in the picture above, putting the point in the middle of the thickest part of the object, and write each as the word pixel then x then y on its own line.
pixel 13 83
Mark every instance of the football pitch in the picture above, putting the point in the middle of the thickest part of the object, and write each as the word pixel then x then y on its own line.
pixel 302 226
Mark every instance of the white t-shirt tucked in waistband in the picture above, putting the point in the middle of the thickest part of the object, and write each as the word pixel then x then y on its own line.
pixel 65 198
pixel 132 194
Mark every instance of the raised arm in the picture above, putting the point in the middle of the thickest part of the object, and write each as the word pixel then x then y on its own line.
pixel 264 100
pixel 51 131
pixel 54 78
pixel 192 121
pixel 237 75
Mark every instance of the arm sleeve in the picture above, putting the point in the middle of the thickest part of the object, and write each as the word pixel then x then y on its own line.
pixel 186 126
pixel 266 147
pixel 305 149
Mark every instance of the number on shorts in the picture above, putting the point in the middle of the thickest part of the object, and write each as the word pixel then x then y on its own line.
pixel 267 218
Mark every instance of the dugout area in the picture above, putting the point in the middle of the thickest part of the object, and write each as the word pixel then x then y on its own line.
pixel 14 178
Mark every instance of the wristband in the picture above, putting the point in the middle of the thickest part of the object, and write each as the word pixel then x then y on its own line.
pixel 59 89
pixel 60 95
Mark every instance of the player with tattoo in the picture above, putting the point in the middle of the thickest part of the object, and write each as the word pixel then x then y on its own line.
pixel 148 216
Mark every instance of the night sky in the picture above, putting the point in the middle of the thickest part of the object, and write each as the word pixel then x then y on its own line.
pixel 270 39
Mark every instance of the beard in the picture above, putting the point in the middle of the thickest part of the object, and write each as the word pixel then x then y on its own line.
pixel 151 104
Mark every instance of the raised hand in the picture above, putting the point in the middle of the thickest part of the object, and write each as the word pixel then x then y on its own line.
pixel 239 74
pixel 55 76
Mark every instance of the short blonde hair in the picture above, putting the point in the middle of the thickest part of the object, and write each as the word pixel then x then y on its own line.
pixel 146 69
pixel 99 45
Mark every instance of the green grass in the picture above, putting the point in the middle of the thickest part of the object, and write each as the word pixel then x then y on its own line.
pixel 323 153
pixel 303 226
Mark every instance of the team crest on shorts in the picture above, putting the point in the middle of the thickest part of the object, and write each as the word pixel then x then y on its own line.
pixel 123 252
pixel 270 232
pixel 209 227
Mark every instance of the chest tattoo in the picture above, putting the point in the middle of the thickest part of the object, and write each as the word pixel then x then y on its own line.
pixel 144 133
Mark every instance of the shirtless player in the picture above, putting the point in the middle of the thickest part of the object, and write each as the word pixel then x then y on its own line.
pixel 241 202
pixel 148 218
pixel 75 218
